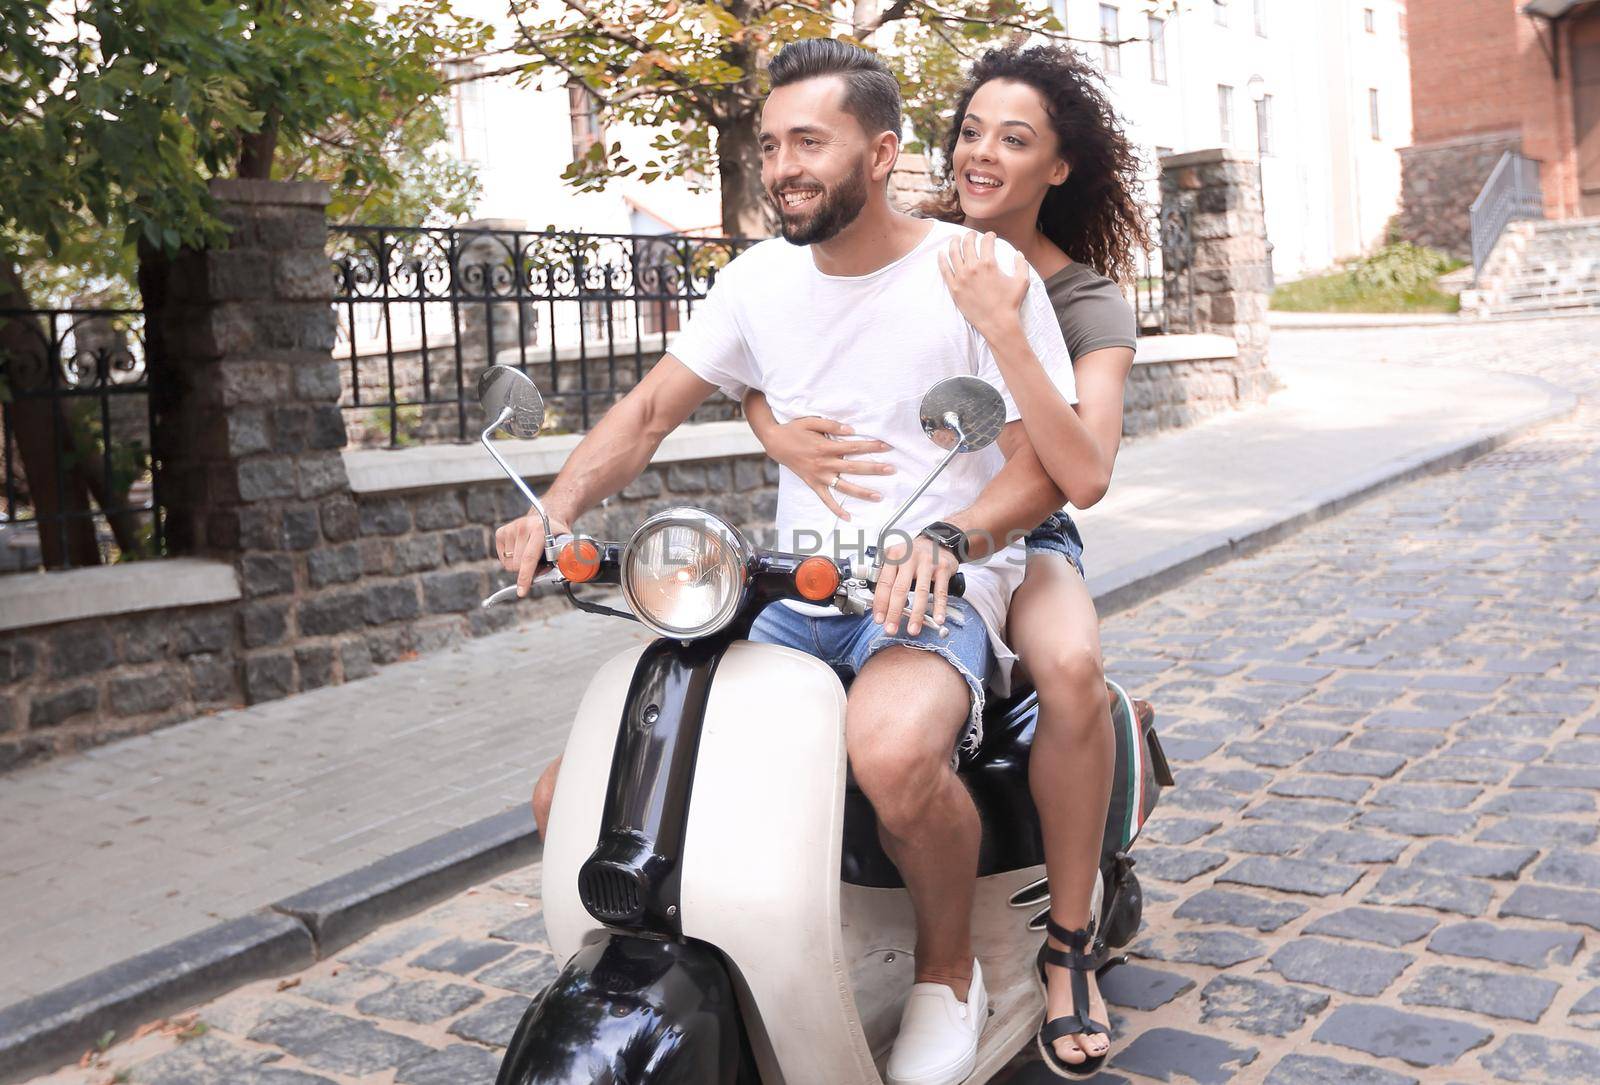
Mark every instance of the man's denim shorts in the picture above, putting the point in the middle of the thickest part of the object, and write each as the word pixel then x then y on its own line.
pixel 1058 535
pixel 845 642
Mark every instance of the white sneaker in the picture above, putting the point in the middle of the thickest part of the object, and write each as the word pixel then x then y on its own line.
pixel 938 1040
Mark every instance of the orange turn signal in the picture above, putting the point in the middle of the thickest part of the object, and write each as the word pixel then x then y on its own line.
pixel 579 561
pixel 816 579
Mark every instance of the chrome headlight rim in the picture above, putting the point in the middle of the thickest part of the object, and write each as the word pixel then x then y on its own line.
pixel 709 523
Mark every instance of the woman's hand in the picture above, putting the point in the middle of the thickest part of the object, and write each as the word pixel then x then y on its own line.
pixel 988 297
pixel 821 452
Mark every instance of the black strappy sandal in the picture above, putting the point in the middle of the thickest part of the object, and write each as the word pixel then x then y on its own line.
pixel 1078 962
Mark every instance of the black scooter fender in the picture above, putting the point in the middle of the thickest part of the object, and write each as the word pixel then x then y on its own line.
pixel 633 1011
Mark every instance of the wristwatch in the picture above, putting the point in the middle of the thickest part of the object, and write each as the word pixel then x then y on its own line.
pixel 948 536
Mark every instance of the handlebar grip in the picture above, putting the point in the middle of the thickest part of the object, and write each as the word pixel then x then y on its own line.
pixel 958 583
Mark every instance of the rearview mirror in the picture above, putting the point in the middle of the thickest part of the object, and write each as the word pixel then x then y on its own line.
pixel 959 414
pixel 963 414
pixel 510 399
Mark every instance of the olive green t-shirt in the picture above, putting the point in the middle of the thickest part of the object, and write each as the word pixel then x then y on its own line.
pixel 1091 310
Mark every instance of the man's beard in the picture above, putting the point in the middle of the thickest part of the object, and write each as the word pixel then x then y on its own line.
pixel 830 211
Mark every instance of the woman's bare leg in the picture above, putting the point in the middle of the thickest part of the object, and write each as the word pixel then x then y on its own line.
pixel 1055 630
pixel 544 793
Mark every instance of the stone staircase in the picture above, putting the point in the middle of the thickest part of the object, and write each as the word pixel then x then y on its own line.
pixel 1540 268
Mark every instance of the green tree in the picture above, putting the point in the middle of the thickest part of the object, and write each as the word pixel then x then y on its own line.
pixel 117 114
pixel 692 70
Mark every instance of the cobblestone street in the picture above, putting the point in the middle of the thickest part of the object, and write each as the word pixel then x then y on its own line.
pixel 1380 864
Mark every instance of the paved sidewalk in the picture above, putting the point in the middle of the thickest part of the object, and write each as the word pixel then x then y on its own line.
pixel 1380 865
pixel 145 841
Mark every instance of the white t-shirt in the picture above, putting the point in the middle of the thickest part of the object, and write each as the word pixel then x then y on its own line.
pixel 863 350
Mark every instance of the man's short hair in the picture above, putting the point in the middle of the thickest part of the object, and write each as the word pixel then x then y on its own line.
pixel 871 94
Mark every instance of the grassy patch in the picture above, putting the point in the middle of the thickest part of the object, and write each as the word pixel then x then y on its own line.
pixel 1399 278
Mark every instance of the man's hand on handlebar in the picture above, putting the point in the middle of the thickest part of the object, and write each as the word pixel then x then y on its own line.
pixel 913 578
pixel 520 547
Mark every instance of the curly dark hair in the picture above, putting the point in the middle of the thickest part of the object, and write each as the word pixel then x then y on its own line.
pixel 1092 216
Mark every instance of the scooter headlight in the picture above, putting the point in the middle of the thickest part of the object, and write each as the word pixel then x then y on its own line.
pixel 684 573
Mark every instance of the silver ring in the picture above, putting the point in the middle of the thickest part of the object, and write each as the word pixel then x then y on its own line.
pixel 834 485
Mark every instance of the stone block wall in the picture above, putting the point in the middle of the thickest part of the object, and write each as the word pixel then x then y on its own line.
pixel 1171 395
pixel 386 577
pixel 1439 181
pixel 421 562
pixel 85 682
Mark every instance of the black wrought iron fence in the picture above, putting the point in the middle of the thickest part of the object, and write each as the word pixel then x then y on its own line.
pixel 423 311
pixel 1163 289
pixel 75 440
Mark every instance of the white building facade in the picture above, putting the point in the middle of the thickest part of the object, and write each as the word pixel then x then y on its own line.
pixel 1320 87
pixel 521 136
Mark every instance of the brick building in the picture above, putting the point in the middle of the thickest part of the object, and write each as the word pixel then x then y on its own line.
pixel 1488 76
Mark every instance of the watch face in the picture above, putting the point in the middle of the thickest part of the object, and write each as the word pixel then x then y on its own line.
pixel 946 535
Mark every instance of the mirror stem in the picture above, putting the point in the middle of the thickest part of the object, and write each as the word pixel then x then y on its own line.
pixel 505 413
pixel 877 561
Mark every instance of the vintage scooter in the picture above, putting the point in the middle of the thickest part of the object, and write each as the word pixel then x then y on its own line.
pixel 713 881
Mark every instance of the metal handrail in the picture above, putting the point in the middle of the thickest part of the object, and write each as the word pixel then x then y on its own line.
pixel 1511 192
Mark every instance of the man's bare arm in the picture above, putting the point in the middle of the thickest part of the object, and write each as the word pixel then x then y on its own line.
pixel 1014 502
pixel 614 453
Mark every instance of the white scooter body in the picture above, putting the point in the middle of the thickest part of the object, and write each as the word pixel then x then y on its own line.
pixel 701 813
pixel 821 968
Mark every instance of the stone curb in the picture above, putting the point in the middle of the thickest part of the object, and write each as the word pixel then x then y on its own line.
pixel 1134 583
pixel 340 911
pixel 41 1033
pixel 56 1027
pixel 1291 320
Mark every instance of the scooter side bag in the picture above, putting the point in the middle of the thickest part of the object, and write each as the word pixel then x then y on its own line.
pixel 1141 771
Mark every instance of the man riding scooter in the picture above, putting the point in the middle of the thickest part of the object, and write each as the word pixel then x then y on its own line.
pixel 847 316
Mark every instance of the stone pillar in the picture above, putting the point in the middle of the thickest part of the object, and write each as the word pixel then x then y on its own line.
pixel 912 184
pixel 248 426
pixel 1223 260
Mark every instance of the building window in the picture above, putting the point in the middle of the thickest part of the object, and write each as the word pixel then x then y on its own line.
pixel 1372 109
pixel 1110 51
pixel 1225 113
pixel 1219 12
pixel 1264 125
pixel 1158 50
pixel 1261 17
pixel 1369 20
pixel 583 107
pixel 467 119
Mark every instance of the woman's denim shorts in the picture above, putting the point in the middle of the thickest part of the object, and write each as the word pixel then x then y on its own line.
pixel 1058 535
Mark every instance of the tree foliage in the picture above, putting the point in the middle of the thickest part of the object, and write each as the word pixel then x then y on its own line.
pixel 691 70
pixel 118 113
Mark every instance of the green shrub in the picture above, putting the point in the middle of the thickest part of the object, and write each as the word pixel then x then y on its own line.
pixel 1402 266
pixel 1398 278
